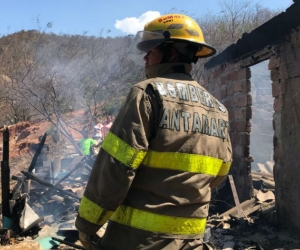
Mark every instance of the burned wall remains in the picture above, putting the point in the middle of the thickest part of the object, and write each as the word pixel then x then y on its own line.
pixel 285 75
pixel 227 77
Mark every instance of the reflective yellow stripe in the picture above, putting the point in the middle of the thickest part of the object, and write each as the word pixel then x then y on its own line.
pixel 92 212
pixel 187 163
pixel 225 168
pixel 192 163
pixel 122 151
pixel 158 223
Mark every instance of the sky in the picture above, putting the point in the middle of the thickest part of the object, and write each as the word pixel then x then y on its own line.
pixel 103 17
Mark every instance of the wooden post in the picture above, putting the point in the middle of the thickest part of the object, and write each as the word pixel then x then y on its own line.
pixel 5 180
pixel 236 198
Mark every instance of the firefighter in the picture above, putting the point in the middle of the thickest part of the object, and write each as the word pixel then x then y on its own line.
pixel 168 147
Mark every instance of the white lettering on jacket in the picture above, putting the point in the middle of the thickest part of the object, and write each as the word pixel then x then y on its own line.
pixel 171 119
pixel 194 122
pixel 187 92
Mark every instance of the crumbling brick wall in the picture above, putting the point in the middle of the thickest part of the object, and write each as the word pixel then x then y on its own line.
pixel 230 83
pixel 227 77
pixel 285 76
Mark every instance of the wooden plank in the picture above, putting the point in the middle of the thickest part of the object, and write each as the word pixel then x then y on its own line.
pixel 235 196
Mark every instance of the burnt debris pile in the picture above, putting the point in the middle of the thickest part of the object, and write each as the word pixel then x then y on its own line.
pixel 41 206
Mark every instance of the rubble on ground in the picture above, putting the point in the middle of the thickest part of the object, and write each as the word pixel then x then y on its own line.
pixel 252 223
pixel 44 208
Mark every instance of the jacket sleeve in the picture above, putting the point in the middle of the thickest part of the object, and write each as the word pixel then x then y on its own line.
pixel 122 151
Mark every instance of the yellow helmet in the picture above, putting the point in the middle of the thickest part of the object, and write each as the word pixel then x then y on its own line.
pixel 172 28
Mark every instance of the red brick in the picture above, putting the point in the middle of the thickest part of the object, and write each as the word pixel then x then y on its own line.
pixel 217 81
pixel 274 62
pixel 282 86
pixel 240 138
pixel 231 115
pixel 241 126
pixel 277 104
pixel 239 86
pixel 233 76
pixel 239 101
pixel 283 73
pixel 248 114
pixel 238 126
pixel 224 80
pixel 275 89
pixel 239 114
pixel 244 73
pixel 230 90
pixel 274 75
pixel 249 100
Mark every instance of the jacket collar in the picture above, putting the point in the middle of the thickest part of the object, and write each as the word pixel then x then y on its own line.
pixel 160 70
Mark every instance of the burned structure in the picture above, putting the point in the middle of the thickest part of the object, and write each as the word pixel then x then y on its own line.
pixel 228 77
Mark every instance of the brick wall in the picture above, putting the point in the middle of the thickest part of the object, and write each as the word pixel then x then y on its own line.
pixel 285 75
pixel 230 83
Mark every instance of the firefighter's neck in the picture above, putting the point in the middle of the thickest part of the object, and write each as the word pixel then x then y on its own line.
pixel 159 70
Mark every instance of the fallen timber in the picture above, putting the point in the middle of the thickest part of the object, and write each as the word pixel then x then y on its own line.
pixel 47 184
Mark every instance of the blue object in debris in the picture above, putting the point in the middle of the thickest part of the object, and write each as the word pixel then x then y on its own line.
pixel 47 242
pixel 7 222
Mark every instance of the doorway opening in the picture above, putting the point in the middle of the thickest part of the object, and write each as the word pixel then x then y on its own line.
pixel 261 136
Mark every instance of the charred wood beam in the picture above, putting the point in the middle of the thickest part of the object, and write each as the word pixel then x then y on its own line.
pixel 37 153
pixel 5 175
pixel 17 187
pixel 78 165
pixel 4 236
pixel 235 196
pixel 47 184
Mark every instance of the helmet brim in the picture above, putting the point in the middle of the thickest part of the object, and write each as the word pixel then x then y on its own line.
pixel 206 51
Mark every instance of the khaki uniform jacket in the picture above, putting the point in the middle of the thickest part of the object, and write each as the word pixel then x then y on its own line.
pixel 168 147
